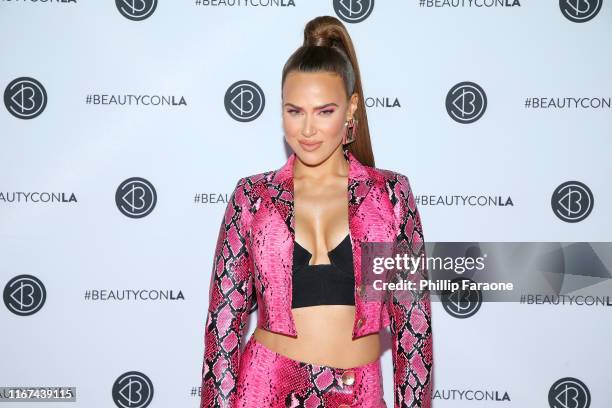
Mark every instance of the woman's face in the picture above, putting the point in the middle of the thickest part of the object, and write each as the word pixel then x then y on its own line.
pixel 315 109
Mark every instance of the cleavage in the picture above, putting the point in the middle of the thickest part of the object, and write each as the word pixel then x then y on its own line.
pixel 320 211
pixel 305 255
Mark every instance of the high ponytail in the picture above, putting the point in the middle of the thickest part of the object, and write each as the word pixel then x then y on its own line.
pixel 328 47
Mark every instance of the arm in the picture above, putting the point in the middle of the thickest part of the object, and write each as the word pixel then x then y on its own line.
pixel 410 313
pixel 230 300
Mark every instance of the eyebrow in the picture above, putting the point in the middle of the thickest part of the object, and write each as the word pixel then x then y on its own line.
pixel 316 107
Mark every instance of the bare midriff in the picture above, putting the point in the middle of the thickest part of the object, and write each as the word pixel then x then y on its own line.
pixel 324 338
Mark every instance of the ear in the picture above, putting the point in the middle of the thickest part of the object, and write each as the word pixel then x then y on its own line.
pixel 353 103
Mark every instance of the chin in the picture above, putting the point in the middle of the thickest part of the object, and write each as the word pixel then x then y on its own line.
pixel 309 157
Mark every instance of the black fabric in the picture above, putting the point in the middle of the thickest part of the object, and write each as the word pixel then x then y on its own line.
pixel 324 284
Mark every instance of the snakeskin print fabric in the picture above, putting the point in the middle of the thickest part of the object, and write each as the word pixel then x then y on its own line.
pixel 269 379
pixel 252 270
pixel 412 348
pixel 230 298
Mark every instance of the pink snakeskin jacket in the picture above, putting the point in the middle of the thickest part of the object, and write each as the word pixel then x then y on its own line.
pixel 252 270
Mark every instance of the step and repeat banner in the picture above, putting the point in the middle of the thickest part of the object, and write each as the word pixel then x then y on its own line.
pixel 127 123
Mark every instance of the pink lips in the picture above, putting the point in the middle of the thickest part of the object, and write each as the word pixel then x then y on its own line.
pixel 309 147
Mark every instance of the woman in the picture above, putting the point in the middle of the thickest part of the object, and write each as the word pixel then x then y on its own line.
pixel 290 246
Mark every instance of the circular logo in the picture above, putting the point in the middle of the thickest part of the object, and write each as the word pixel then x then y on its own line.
pixel 580 11
pixel 132 389
pixel 25 98
pixel 244 101
pixel 136 197
pixel 353 11
pixel 466 102
pixel 572 201
pixel 461 303
pixel 24 295
pixel 569 392
pixel 136 10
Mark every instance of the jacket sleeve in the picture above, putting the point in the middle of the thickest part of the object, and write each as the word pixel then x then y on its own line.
pixel 231 297
pixel 410 313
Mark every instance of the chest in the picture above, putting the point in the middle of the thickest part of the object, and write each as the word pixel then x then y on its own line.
pixel 321 218
pixel 272 237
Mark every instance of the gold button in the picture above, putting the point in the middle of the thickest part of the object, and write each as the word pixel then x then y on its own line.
pixel 361 290
pixel 343 406
pixel 360 322
pixel 348 377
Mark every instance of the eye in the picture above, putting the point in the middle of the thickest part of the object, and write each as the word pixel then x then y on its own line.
pixel 327 112
pixel 292 111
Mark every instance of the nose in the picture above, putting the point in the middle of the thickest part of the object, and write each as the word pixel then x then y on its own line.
pixel 308 127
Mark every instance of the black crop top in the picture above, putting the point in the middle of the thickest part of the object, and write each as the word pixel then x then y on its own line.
pixel 324 284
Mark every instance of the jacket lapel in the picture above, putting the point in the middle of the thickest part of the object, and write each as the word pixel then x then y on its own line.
pixel 280 189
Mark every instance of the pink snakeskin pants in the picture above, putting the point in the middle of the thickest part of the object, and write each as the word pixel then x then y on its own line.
pixel 270 379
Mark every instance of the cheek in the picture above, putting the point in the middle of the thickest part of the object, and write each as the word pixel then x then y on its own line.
pixel 335 125
pixel 331 129
pixel 291 126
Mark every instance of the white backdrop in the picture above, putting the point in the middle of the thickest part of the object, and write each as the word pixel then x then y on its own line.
pixel 98 92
